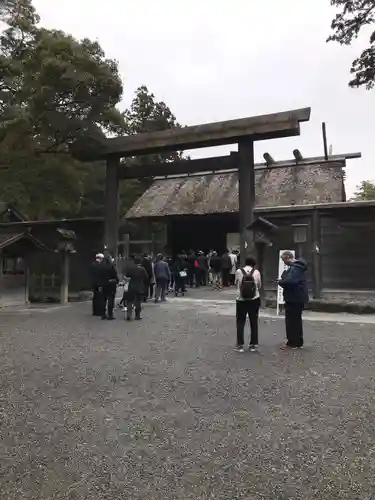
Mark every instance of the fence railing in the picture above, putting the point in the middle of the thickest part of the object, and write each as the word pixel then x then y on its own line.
pixel 45 283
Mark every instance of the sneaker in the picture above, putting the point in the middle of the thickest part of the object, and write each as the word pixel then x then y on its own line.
pixel 239 349
pixel 253 348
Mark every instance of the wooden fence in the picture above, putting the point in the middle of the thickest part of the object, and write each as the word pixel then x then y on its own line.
pixel 44 287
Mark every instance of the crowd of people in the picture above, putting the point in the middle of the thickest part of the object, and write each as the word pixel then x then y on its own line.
pixel 152 278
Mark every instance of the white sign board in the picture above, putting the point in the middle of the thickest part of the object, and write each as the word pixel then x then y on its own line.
pixel 282 268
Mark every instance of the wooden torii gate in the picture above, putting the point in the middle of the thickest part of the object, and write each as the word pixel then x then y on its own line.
pixel 244 132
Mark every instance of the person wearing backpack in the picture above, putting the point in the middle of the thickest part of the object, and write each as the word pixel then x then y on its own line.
pixel 248 282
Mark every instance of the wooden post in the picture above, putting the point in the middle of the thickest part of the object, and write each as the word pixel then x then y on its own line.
pixel 112 206
pixel 261 248
pixel 316 260
pixel 64 290
pixel 246 192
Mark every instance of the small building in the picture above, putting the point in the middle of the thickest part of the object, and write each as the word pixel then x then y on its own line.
pixel 31 265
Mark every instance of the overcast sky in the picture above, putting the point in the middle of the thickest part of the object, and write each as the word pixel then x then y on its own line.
pixel 214 60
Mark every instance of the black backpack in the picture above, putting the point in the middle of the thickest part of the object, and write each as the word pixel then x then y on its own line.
pixel 248 287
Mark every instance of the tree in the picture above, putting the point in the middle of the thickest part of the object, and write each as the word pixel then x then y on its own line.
pixel 145 114
pixel 59 95
pixel 353 16
pixel 365 191
pixel 53 90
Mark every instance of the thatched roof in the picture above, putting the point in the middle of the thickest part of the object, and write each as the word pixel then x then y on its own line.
pixel 218 193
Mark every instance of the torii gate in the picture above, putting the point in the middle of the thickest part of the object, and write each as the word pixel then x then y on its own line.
pixel 244 132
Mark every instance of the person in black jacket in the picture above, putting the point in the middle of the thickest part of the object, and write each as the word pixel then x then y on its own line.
pixel 136 290
pixel 215 267
pixel 110 281
pixel 226 265
pixel 294 284
pixel 97 285
pixel 179 273
pixel 190 259
pixel 149 287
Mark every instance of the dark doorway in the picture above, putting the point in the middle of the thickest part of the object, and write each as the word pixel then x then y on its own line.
pixel 204 232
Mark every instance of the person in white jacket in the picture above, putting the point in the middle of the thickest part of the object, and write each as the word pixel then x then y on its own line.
pixel 232 272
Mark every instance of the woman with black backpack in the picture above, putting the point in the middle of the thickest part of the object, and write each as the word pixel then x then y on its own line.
pixel 248 282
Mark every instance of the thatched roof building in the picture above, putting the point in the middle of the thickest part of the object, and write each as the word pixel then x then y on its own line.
pixel 218 193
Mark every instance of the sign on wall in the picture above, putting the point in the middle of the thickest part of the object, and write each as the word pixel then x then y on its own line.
pixel 233 241
pixel 282 268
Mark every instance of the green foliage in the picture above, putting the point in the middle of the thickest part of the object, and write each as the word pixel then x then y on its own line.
pixel 346 26
pixel 57 92
pixel 365 191
pixel 145 114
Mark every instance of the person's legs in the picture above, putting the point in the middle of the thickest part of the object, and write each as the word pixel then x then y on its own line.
pixel 225 277
pixel 197 277
pixel 293 324
pixel 96 302
pixel 138 306
pixel 111 303
pixel 241 313
pixel 157 290
pixel 297 324
pixel 163 289
pixel 151 290
pixel 104 303
pixel 190 277
pixel 253 309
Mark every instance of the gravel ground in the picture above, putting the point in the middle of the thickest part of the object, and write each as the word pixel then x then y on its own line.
pixel 165 409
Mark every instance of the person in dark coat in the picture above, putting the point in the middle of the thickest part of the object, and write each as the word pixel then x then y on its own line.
pixel 294 284
pixel 97 285
pixel 110 281
pixel 190 259
pixel 203 268
pixel 226 265
pixel 179 274
pixel 149 287
pixel 162 277
pixel 136 290
pixel 215 267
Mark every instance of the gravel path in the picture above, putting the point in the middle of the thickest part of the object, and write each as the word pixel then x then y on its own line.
pixel 165 409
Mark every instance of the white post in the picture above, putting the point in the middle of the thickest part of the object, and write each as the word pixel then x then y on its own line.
pixel 64 291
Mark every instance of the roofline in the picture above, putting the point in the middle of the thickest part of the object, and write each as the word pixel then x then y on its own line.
pixel 282 208
pixel 316 160
pixel 32 223
pixel 317 206
pixel 20 236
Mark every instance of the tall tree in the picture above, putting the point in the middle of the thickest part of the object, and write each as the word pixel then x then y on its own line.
pixel 146 114
pixel 365 191
pixel 53 90
pixel 348 23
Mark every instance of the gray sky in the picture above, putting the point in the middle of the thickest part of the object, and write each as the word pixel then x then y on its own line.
pixel 215 60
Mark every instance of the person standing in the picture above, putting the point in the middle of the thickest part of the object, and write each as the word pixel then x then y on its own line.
pixel 179 273
pixel 215 266
pixel 147 264
pixel 136 290
pixel 248 281
pixel 203 268
pixel 294 284
pixel 233 269
pixel 190 259
pixel 162 278
pixel 225 268
pixel 97 284
pixel 110 281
